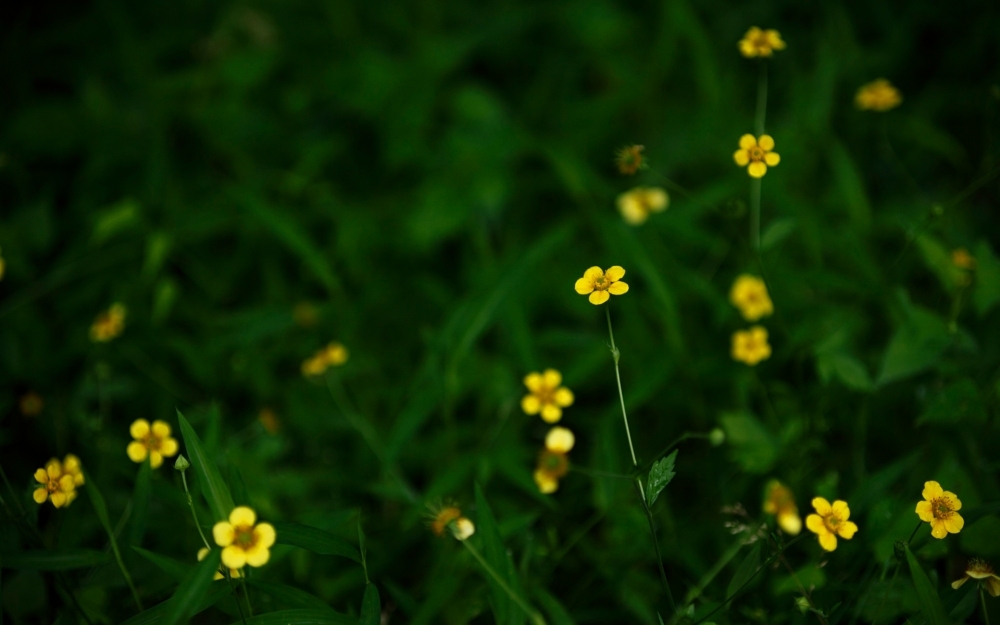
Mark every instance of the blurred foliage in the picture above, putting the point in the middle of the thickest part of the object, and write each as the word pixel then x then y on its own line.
pixel 423 182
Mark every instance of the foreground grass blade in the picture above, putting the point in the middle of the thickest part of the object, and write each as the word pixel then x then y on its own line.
pixel 97 500
pixel 174 568
pixel 930 603
pixel 192 589
pixel 315 540
pixel 371 607
pixel 289 596
pixel 300 617
pixel 155 614
pixel 140 504
pixel 53 559
pixel 746 571
pixel 220 501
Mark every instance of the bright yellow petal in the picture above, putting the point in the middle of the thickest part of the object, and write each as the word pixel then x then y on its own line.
pixel 534 382
pixel 563 397
pixel 531 405
pixel 593 273
pixel 265 534
pixel 560 440
pixel 618 288
pixel 742 157
pixel 958 582
pixel 828 541
pixel 772 159
pixel 155 459
pixel 815 524
pixel 136 451
pixel 848 530
pixel 234 557
pixel 242 515
pixel 757 169
pixel 552 378
pixel 54 469
pixel 139 428
pixel 790 522
pixel 954 523
pixel 223 533
pixel 924 511
pixel 545 482
pixel 956 503
pixel 822 506
pixel 202 553
pixel 615 273
pixel 748 141
pixel 218 575
pixel 931 490
pixel 766 143
pixel 841 509
pixel 598 297
pixel 551 413
pixel 258 556
pixel 40 495
pixel 993 586
pixel 161 429
pixel 168 447
pixel 41 476
pixel 58 499
pixel 584 286
pixel 66 483
pixel 938 529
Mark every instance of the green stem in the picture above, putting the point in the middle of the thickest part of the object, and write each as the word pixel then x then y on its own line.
pixel 755 184
pixel 616 355
pixel 535 616
pixel 193 513
pixel 232 589
pixel 125 573
pixel 246 594
pixel 982 601
pixel 656 547
pixel 761 99
pixel 892 583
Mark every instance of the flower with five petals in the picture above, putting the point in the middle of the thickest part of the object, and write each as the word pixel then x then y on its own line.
pixel 757 153
pixel 599 283
pixel 831 521
pixel 243 540
pixel 151 440
pixel 546 396
pixel 940 509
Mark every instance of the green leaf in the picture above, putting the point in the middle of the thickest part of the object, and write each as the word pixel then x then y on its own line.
pixel 174 568
pixel 371 607
pixel 956 403
pixel 986 288
pixel 557 612
pixel 505 610
pixel 315 540
pixel 930 603
pixel 811 576
pixel 289 595
pixel 101 509
pixel 140 504
pixel 240 495
pixel 59 559
pixel 192 589
pixel 917 345
pixel 776 232
pixel 850 185
pixel 220 502
pixel 845 368
pixel 745 571
pixel 300 617
pixel 752 445
pixel 660 475
pixel 362 549
pixel 155 614
pixel 980 537
pixel 938 259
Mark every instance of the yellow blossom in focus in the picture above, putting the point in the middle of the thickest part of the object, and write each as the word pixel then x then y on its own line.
pixel 108 324
pixel 598 283
pixel 940 509
pixel 269 420
pixel 756 154
pixel 244 541
pixel 749 294
pixel 57 486
pixel 831 521
pixel 878 95
pixel 233 573
pixel 981 571
pixel 779 501
pixel 31 404
pixel 153 441
pixel 546 396
pixel 636 205
pixel 751 346
pixel 559 440
pixel 961 258
pixel 333 355
pixel 462 528
pixel 758 42
pixel 629 159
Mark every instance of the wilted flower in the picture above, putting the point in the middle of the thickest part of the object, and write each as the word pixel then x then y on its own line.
pixel 758 42
pixel 779 501
pixel 546 395
pixel 878 95
pixel 751 346
pixel 636 205
pixel 629 159
pixel 755 154
pixel 108 324
pixel 831 521
pixel 599 283
pixel 749 294
pixel 244 541
pixel 449 517
pixel 940 509
pixel 154 441
pixel 981 571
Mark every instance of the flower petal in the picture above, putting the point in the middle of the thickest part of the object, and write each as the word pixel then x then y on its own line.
pixel 563 397
pixel 53 469
pixel 772 158
pixel 742 157
pixel 757 169
pixel 58 499
pixel 954 523
pixel 551 413
pixel 956 503
pixel 545 482
pixel 234 557
pixel 531 405
pixel 615 273
pixel 168 447
pixel 822 506
pixel 258 555
pixel 958 582
pixel 534 382
pixel 66 483
pixel 560 440
pixel 766 143
pixel 828 541
pixel 848 530
pixel 136 451
pixel 40 495
pixel 584 286
pixel 924 511
pixel 264 534
pixel 161 429
pixel 598 297
pixel 155 459
pixel 938 529
pixel 593 273
pixel 815 524
pixel 552 378
pixel 42 476
pixel 202 553
pixel 931 490
pixel 618 288
pixel 790 522
pixel 841 509
pixel 993 586
pixel 139 428
pixel 242 515
pixel 748 141
pixel 223 533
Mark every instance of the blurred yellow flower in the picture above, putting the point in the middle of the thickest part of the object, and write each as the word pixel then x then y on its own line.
pixel 758 42
pixel 546 396
pixel 443 518
pixel 552 465
pixel 244 541
pixel 636 205
pixel 154 441
pixel 629 159
pixel 462 528
pixel 981 571
pixel 940 509
pixel 333 355
pixel 751 346
pixel 599 283
pixel 108 324
pixel 831 521
pixel 756 152
pixel 71 466
pixel 545 482
pixel 749 294
pixel 878 95
pixel 269 420
pixel 31 404
pixel 559 440
pixel 779 501
pixel 961 258
pixel 233 573
pixel 57 486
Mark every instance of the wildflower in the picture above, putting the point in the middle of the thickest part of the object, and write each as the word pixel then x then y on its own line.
pixel 756 152
pixel 749 294
pixel 878 95
pixel 269 421
pixel 599 283
pixel 751 346
pixel 545 482
pixel 244 541
pixel 629 159
pixel 333 355
pixel 442 518
pixel 71 466
pixel 305 314
pixel 759 42
pixel 553 463
pixel 57 486
pixel 546 396
pixel 154 441
pixel 559 440
pixel 981 571
pixel 962 259
pixel 940 509
pixel 830 522
pixel 108 324
pixel 636 205
pixel 31 404
pixel 462 528
pixel 233 573
pixel 780 502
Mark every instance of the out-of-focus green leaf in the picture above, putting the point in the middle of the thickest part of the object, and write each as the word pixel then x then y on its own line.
pixel 300 617
pixel 504 609
pixel 371 607
pixel 809 577
pixel 240 495
pixel 156 614
pixel 776 232
pixel 140 504
pixel 986 287
pixel 289 596
pixel 930 603
pixel 314 539
pixel 660 475
pixel 174 568
pixel 957 403
pixel 192 589
pixel 917 345
pixel 220 502
pixel 751 444
pixel 980 537
pixel 850 184
pixel 845 368
pixel 556 611
pixel 115 219
pixel 938 259
pixel 746 570
pixel 58 559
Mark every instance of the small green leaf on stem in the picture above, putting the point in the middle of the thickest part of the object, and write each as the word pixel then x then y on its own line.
pixel 660 475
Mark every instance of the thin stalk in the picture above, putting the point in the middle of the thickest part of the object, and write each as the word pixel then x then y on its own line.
pixel 759 118
pixel 125 573
pixel 761 99
pixel 193 513
pixel 232 589
pixel 755 184
pixel 885 595
pixel 656 547
pixel 246 594
pixel 535 616
pixel 982 601
pixel 616 355
pixel 795 578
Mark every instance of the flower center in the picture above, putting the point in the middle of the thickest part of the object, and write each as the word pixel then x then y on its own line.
pixel 941 508
pixel 554 463
pixel 152 442
pixel 832 522
pixel 756 153
pixel 52 486
pixel 244 536
pixel 601 284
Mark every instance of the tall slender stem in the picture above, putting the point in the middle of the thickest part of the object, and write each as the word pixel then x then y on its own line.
pixel 759 118
pixel 982 601
pixel 535 616
pixel 885 595
pixel 193 513
pixel 618 376
pixel 246 594
pixel 761 99
pixel 755 184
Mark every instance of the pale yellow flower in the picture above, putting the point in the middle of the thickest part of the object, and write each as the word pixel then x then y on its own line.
pixel 599 283
pixel 981 571
pixel 758 42
pixel 154 441
pixel 545 482
pixel 780 502
pixel 940 509
pixel 546 395
pixel 637 204
pixel 559 440
pixel 756 154
pixel 878 95
pixel 749 294
pixel 751 346
pixel 831 521
pixel 462 528
pixel 244 541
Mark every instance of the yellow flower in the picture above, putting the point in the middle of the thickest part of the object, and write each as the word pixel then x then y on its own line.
pixel 981 571
pixel 462 528
pixel 108 324
pixel 553 463
pixel 154 441
pixel 71 466
pixel 599 283
pixel 636 205
pixel 546 396
pixel 559 440
pixel 545 482
pixel 749 294
pixel 31 404
pixel 780 502
pixel 756 152
pixel 629 159
pixel 751 346
pixel 940 509
pixel 878 95
pixel 243 541
pixel 269 421
pixel 233 573
pixel 449 517
pixel 333 355
pixel 57 486
pixel 830 522
pixel 758 42
pixel 962 259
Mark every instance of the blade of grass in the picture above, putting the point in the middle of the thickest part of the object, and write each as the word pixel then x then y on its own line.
pixel 97 500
